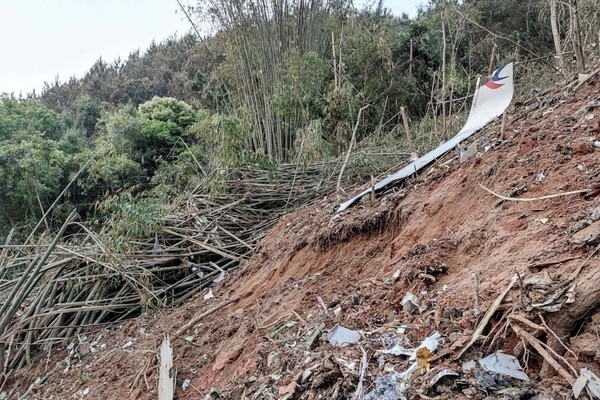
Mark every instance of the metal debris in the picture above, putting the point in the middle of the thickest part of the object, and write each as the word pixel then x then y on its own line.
pixel 340 336
pixel 504 364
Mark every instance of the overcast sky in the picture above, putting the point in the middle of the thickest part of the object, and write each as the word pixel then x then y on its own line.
pixel 41 39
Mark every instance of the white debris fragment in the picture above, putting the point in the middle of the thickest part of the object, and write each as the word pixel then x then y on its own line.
pixel 397 350
pixel 220 277
pixel 209 295
pixel 579 385
pixel 130 341
pixel 593 383
pixel 431 342
pixel 85 391
pixel 504 364
pixel 340 336
pixel 186 384
pixel 410 303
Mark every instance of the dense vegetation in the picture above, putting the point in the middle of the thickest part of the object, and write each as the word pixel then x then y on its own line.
pixel 278 82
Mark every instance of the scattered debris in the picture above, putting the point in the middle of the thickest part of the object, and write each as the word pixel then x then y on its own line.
pixel 388 387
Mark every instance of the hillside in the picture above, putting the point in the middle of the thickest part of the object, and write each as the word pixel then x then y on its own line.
pixel 443 238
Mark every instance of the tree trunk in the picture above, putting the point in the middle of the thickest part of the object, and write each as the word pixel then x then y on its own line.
pixel 556 34
pixel 576 36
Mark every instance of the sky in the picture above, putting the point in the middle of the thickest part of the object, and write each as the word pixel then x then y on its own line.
pixel 43 39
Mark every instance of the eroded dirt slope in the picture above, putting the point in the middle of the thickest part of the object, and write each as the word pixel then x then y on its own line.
pixel 316 269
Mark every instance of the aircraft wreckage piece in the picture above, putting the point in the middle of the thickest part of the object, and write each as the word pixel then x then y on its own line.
pixel 490 100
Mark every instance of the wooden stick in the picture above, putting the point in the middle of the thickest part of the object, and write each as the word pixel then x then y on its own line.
pixel 522 333
pixel 551 196
pixel 488 315
pixel 409 141
pixel 195 320
pixel 352 141
pixel 557 338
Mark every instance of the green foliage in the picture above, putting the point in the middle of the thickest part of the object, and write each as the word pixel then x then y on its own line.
pixel 125 217
pixel 304 79
pixel 31 171
pixel 28 117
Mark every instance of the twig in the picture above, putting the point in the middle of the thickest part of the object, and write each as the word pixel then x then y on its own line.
pixel 490 312
pixel 352 141
pixel 551 196
pixel 523 334
pixel 553 262
pixel 195 320
pixel 476 275
pixel 322 304
pixel 557 338
pixel 359 394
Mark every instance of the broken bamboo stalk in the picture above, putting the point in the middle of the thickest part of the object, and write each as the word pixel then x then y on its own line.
pixel 200 317
pixel 486 319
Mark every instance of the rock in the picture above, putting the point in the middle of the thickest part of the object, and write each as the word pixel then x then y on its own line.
pixel 589 235
pixel 586 344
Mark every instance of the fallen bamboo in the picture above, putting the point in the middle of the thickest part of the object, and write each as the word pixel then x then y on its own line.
pixel 200 317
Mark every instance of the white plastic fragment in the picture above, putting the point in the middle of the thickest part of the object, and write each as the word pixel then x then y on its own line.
pixel 85 391
pixel 220 277
pixel 504 364
pixel 431 342
pixel 186 384
pixel 593 383
pixel 468 366
pixel 397 350
pixel 209 295
pixel 129 343
pixel 579 385
pixel 340 336
pixel 410 303
pixel 444 372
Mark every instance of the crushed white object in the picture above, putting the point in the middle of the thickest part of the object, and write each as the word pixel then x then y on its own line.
pixel 186 384
pixel 410 303
pixel 504 364
pixel 597 144
pixel 397 350
pixel 468 366
pixel 593 383
pixel 396 275
pixel 85 391
pixel 337 311
pixel 579 385
pixel 129 343
pixel 220 277
pixel 340 336
pixel 444 372
pixel 209 295
pixel 431 342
